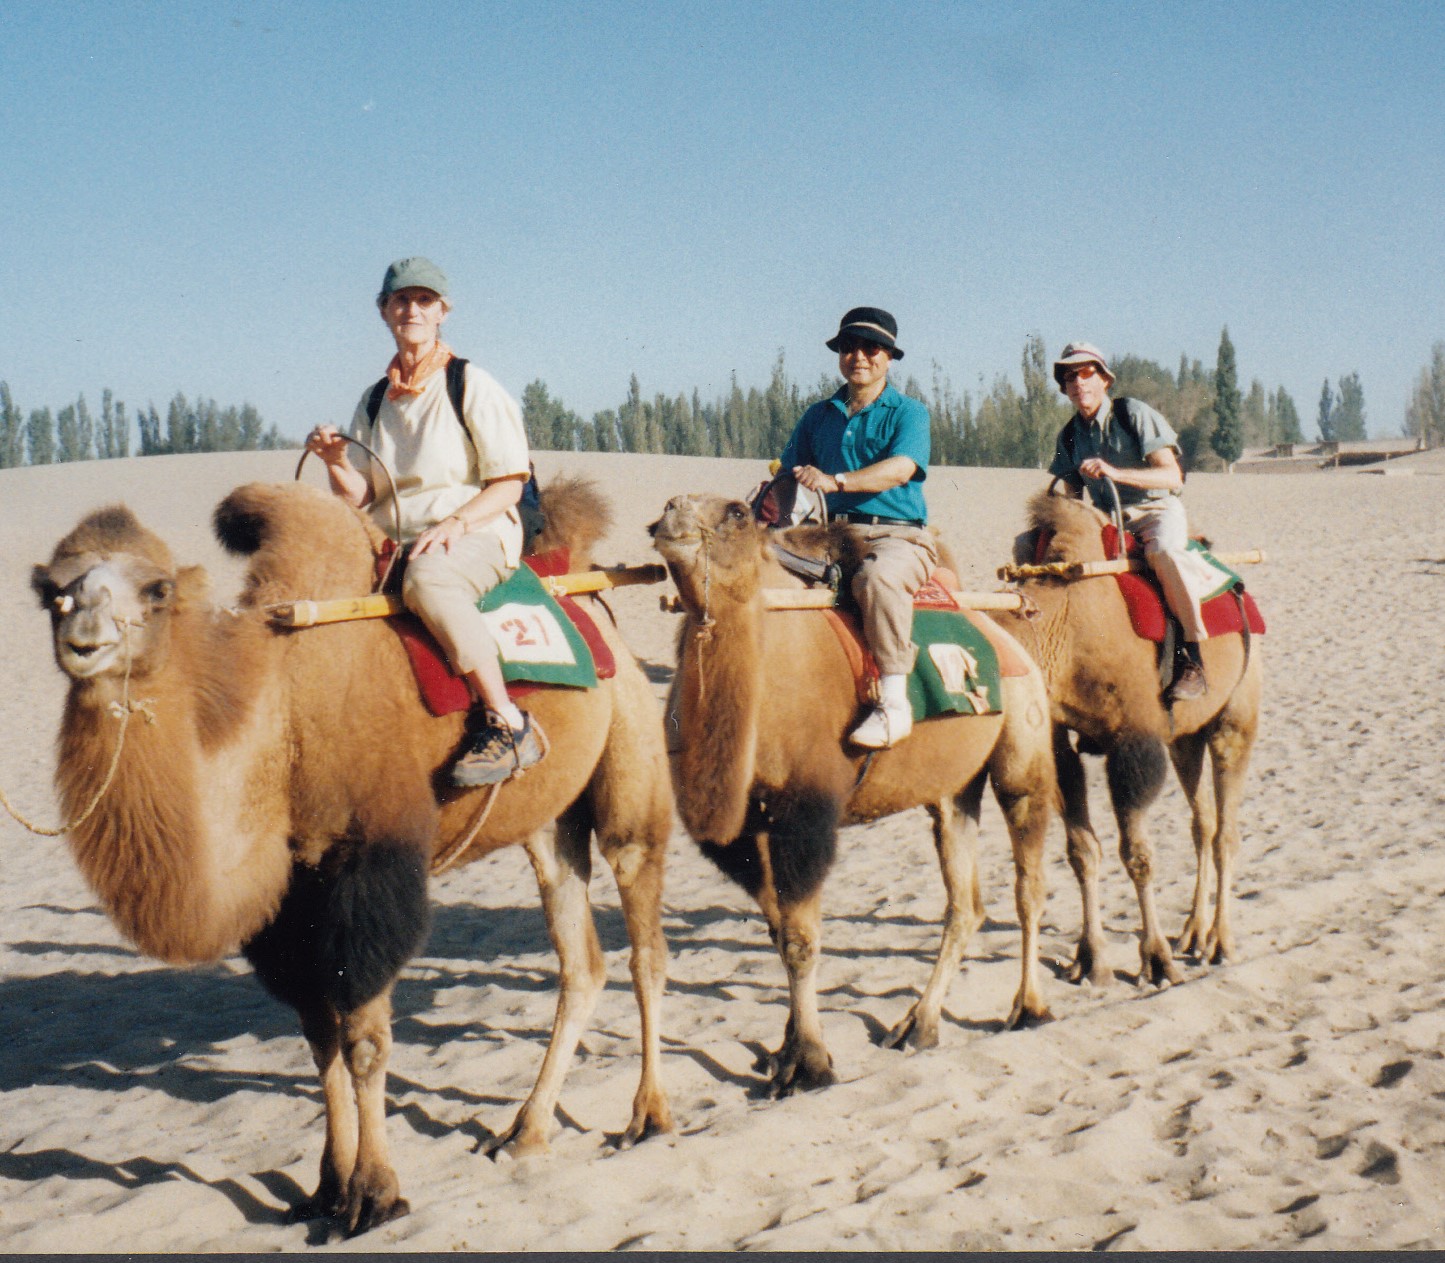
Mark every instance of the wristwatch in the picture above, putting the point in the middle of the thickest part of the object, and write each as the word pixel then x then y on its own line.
pixel 839 479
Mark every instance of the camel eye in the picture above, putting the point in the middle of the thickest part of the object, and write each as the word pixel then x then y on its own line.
pixel 159 592
pixel 737 512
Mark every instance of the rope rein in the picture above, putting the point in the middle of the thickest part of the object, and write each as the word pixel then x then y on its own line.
pixel 702 635
pixel 121 710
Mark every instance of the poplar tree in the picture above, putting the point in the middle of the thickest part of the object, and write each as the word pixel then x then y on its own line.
pixel 12 430
pixel 1425 414
pixel 1350 418
pixel 1325 418
pixel 40 437
pixel 1227 438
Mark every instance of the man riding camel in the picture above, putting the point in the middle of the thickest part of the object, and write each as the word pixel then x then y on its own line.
pixel 866 448
pixel 1131 444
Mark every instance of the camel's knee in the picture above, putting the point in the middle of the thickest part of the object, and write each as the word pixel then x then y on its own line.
pixel 365 1055
pixel 1138 857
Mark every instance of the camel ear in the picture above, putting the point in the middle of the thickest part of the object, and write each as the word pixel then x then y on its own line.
pixel 44 586
pixel 192 584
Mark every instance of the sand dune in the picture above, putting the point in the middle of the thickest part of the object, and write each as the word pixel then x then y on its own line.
pixel 1295 1098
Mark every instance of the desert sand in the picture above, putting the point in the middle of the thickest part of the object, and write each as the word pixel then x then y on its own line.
pixel 1295 1098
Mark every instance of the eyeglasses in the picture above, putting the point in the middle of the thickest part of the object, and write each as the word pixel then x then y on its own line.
pixel 872 350
pixel 1082 373
pixel 423 298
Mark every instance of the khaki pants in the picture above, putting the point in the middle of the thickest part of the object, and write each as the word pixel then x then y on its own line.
pixel 898 561
pixel 443 587
pixel 1164 529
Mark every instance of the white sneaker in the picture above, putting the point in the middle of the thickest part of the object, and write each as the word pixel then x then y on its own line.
pixel 884 726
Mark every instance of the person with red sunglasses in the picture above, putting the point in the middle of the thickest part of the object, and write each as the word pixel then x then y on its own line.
pixel 1134 447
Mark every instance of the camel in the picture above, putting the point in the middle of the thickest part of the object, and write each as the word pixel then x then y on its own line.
pixel 1104 685
pixel 284 792
pixel 762 702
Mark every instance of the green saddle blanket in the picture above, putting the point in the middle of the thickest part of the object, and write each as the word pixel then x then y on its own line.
pixel 957 670
pixel 537 642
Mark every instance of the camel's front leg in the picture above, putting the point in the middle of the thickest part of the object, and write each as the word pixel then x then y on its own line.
pixel 322 1027
pixel 1026 809
pixel 637 865
pixel 1136 772
pixel 373 1193
pixel 1085 858
pixel 1187 752
pixel 562 861
pixel 955 837
pixel 803 1061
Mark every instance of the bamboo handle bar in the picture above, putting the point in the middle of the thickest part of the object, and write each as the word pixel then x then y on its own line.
pixel 1121 565
pixel 381 605
pixel 825 599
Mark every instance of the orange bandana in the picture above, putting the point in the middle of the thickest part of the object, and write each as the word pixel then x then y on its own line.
pixel 433 361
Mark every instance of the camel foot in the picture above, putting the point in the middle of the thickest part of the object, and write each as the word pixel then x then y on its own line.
pixel 650 1120
pixel 1191 939
pixel 1156 967
pixel 1026 1014
pixel 372 1202
pixel 521 1140
pixel 1088 967
pixel 1220 951
pixel 320 1205
pixel 796 1067
pixel 915 1030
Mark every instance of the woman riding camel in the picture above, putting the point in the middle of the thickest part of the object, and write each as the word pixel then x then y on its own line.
pixel 459 480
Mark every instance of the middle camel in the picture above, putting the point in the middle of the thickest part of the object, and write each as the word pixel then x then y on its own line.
pixel 762 702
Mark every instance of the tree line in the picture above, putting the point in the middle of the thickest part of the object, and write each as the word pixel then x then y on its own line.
pixel 74 433
pixel 1001 425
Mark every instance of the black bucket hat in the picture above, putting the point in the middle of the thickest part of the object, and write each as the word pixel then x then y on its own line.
pixel 872 324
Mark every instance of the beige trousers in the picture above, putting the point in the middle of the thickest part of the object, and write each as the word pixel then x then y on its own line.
pixel 1164 528
pixel 898 561
pixel 442 588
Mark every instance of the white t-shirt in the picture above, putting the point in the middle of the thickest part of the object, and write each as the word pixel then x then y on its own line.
pixel 436 469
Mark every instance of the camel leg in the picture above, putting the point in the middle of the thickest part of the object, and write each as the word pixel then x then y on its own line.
pixel 955 837
pixel 562 861
pixel 373 1193
pixel 1085 858
pixel 1230 745
pixel 322 1028
pixel 1027 815
pixel 803 1061
pixel 637 864
pixel 1187 753
pixel 1136 772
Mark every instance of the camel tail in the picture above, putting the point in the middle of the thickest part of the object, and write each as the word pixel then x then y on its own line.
pixel 577 515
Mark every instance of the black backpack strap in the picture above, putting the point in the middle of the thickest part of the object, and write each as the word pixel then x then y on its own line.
pixel 373 400
pixel 456 386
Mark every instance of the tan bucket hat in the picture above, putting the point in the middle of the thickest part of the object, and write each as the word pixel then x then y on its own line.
pixel 1080 353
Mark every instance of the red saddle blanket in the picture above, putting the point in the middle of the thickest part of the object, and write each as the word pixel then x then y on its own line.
pixel 936 594
pixel 445 692
pixel 1223 614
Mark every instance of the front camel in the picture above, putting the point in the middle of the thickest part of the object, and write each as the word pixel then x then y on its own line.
pixel 1104 685
pixel 764 778
pixel 279 797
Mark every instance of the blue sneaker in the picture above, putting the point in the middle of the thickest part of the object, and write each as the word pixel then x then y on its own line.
pixel 495 752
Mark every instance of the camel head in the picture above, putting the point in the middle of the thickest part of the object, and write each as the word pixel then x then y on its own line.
pixel 111 587
pixel 713 548
pixel 1073 523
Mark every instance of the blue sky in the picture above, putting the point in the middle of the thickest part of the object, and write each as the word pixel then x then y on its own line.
pixel 202 197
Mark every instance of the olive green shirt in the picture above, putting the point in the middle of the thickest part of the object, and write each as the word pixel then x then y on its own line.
pixel 1123 432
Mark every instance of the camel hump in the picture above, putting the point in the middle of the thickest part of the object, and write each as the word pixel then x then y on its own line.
pixel 577 515
pixel 1072 524
pixel 113 529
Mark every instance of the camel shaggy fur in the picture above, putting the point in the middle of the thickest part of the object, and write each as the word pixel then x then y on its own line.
pixel 284 793
pixel 1104 685
pixel 762 702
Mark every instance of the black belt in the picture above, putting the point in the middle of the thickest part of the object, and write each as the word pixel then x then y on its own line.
pixel 874 519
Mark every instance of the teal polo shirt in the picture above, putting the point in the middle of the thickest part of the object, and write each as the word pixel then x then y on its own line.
pixel 892 425
pixel 1124 433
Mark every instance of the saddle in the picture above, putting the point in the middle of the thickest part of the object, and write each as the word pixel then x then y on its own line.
pixel 537 650
pixel 961 654
pixel 1227 611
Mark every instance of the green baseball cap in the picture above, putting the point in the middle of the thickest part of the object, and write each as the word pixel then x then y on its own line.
pixel 414 272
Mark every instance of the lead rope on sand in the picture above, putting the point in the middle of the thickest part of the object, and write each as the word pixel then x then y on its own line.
pixel 121 710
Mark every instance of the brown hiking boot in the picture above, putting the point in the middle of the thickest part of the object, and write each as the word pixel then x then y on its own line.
pixel 1189 683
pixel 494 752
